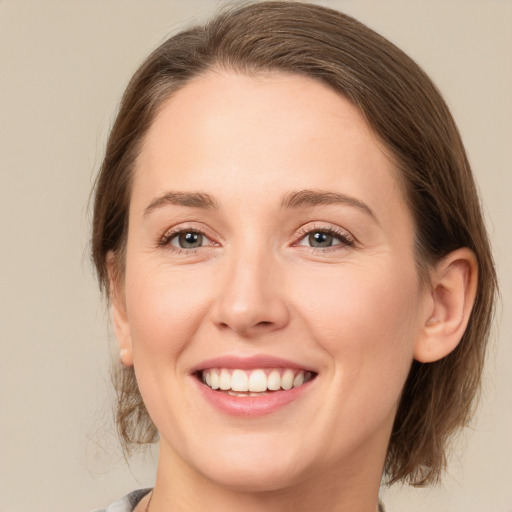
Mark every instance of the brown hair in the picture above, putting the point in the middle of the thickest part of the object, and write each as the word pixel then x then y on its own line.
pixel 407 113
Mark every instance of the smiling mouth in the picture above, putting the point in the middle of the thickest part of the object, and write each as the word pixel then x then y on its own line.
pixel 256 382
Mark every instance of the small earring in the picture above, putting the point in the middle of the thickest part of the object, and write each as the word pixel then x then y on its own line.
pixel 125 357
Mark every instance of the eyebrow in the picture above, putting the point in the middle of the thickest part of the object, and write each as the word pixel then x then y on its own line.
pixel 299 199
pixel 306 198
pixel 190 199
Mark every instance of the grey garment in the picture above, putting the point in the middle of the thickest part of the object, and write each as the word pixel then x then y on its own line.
pixel 127 503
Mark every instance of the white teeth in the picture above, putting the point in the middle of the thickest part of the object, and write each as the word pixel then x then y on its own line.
pixel 214 376
pixel 239 381
pixel 258 381
pixel 225 380
pixel 298 380
pixel 254 382
pixel 274 380
pixel 287 380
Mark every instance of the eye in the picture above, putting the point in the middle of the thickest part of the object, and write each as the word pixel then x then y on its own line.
pixel 186 239
pixel 321 239
pixel 325 238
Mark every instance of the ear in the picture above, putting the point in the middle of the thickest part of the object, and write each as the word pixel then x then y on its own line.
pixel 454 284
pixel 118 312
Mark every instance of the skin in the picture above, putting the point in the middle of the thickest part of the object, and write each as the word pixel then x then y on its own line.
pixel 355 312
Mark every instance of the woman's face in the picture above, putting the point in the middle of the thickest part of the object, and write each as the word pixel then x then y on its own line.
pixel 269 246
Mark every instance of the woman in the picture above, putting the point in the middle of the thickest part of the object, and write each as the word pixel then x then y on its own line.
pixel 288 230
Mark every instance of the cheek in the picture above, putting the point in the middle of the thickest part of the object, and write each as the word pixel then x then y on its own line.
pixel 164 308
pixel 367 320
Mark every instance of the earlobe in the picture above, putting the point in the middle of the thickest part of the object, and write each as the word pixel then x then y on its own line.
pixel 118 313
pixel 454 284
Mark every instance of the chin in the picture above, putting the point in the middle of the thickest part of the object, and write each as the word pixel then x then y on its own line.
pixel 254 477
pixel 252 467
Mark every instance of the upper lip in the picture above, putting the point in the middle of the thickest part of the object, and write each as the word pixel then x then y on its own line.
pixel 248 363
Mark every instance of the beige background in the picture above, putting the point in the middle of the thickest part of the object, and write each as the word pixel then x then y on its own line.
pixel 63 66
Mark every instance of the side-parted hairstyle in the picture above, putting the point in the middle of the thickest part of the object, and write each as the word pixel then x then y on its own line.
pixel 409 116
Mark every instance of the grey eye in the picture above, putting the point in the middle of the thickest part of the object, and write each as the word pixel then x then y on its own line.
pixel 188 240
pixel 321 239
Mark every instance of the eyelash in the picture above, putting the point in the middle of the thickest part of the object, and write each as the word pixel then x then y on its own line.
pixel 342 236
pixel 165 240
pixel 345 239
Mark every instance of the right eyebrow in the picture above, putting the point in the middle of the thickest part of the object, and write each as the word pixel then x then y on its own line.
pixel 190 199
pixel 307 198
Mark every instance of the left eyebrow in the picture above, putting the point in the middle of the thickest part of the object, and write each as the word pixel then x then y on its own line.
pixel 306 198
pixel 190 199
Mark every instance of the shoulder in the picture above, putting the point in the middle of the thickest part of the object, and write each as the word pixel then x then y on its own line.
pixel 126 503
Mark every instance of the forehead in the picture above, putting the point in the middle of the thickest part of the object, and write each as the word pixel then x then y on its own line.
pixel 226 131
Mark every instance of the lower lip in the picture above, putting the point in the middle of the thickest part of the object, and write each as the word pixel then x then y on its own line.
pixel 251 406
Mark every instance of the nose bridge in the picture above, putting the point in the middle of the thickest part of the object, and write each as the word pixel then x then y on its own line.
pixel 251 298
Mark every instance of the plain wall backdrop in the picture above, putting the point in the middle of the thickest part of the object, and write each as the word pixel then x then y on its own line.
pixel 63 67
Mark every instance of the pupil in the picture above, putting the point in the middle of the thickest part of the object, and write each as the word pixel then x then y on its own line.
pixel 320 239
pixel 190 240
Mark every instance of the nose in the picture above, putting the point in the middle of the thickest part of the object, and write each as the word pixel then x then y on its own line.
pixel 251 299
